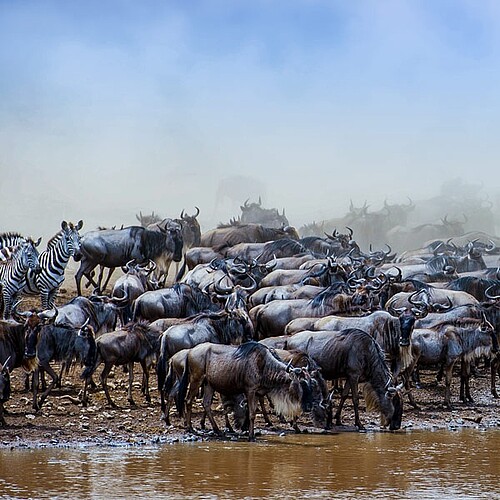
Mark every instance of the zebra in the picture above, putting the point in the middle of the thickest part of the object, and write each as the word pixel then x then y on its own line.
pixel 6 253
pixel 13 274
pixel 53 262
pixel 9 240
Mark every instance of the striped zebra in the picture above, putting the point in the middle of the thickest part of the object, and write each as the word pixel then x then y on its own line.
pixel 13 274
pixel 6 253
pixel 9 240
pixel 53 262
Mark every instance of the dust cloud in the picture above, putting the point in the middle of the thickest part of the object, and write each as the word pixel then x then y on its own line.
pixel 109 110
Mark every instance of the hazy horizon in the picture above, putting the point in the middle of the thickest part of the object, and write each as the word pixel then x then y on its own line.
pixel 111 108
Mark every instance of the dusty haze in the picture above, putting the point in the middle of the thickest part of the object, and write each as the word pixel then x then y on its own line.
pixel 109 109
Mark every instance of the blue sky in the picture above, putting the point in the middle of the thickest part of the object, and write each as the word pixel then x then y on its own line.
pixel 114 106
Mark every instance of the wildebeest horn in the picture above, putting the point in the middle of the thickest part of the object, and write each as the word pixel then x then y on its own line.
pixel 289 366
pixel 436 306
pixel 420 304
pixel 120 301
pixel 47 315
pixel 260 201
pixel 197 212
pixel 398 276
pixel 396 311
pixel 85 324
pixel 4 365
pixel 272 264
pixel 490 249
pixel 182 214
pixel 250 288
pixel 246 203
pixel 489 295
pixel 350 231
pixel 222 290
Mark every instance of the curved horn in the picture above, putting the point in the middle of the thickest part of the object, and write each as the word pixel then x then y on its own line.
pixel 351 232
pixel 491 248
pixel 222 290
pixel 182 214
pixel 488 294
pixel 47 314
pixel 4 365
pixel 197 212
pixel 272 264
pixel 250 288
pixel 436 306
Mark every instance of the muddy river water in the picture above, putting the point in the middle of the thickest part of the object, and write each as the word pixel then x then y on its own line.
pixel 440 464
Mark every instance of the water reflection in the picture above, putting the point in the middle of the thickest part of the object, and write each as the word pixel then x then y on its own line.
pixel 454 465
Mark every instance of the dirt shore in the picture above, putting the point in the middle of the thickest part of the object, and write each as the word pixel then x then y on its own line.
pixel 63 421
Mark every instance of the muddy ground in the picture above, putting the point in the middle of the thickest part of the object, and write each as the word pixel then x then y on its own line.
pixel 63 421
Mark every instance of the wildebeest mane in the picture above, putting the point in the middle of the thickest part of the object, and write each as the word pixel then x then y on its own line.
pixel 153 243
pixel 282 247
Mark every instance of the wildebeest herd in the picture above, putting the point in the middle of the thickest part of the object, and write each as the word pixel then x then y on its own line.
pixel 256 314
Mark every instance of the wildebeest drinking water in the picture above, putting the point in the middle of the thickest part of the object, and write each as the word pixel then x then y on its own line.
pixel 354 355
pixel 249 369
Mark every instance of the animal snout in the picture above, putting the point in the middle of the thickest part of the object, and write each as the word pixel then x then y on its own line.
pixel 404 342
pixel 29 354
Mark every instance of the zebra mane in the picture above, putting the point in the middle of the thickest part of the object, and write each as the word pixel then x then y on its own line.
pixel 11 239
pixel 54 240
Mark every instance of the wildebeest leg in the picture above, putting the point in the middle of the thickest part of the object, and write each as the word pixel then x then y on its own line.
pixel 194 387
pixel 3 423
pixel 252 411
pixel 448 372
pixel 47 391
pixel 106 283
pixel 104 379
pixel 355 401
pixel 494 368
pixel 145 380
pixel 343 397
pixel 265 413
pixel 208 395
pixel 130 399
pixel 465 372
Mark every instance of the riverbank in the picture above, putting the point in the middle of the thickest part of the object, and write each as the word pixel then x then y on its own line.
pixel 63 422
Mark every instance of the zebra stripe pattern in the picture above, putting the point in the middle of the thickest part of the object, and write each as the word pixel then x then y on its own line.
pixel 11 239
pixel 13 273
pixel 53 262
pixel 6 253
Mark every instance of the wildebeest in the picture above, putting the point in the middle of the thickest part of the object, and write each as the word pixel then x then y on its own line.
pixel 249 369
pixel 135 343
pixel 114 248
pixel 354 355
pixel 224 327
pixel 269 217
pixel 446 345
pixel 179 301
pixel 228 236
pixel 59 340
pixel 386 329
pixel 131 285
pixel 271 319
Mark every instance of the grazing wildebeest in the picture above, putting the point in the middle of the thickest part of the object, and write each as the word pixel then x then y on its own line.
pixel 135 343
pixel 178 301
pixel 446 345
pixel 114 248
pixel 224 327
pixel 249 369
pixel 354 355
pixel 4 389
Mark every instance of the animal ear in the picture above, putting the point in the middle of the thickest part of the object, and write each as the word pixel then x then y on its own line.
pixel 79 225
pixel 64 225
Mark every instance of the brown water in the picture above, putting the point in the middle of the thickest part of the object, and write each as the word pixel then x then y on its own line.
pixel 455 465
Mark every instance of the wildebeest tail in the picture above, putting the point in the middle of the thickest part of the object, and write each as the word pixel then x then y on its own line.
pixel 183 387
